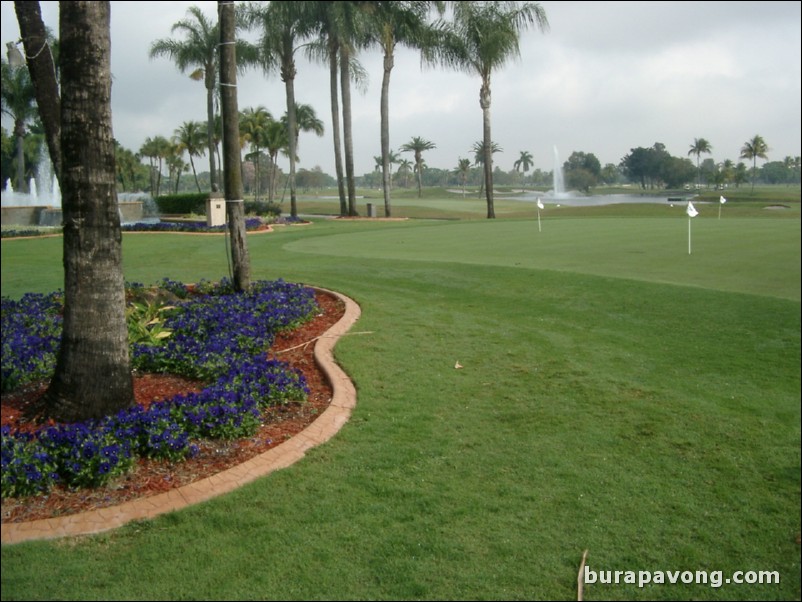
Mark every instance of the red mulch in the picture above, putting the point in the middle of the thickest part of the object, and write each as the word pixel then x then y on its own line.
pixel 150 477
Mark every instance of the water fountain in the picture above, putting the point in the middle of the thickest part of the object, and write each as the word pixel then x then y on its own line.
pixel 558 180
pixel 41 206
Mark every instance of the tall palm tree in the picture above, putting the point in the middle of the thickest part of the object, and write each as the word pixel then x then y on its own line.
pixel 463 167
pixel 481 38
pixel 42 50
pixel 325 48
pixel 418 145
pixel 338 36
pixel 19 103
pixel 198 51
pixel 92 377
pixel 752 149
pixel 389 24
pixel 283 26
pixel 524 162
pixel 699 146
pixel 191 137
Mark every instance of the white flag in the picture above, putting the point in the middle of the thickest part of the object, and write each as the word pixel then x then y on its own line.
pixel 691 210
pixel 722 200
pixel 539 203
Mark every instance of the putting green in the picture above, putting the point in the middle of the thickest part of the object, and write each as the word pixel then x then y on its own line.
pixel 756 256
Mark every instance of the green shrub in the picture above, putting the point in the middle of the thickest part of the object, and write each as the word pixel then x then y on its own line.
pixel 182 204
pixel 262 208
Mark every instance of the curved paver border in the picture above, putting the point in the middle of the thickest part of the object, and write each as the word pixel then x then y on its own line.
pixel 321 430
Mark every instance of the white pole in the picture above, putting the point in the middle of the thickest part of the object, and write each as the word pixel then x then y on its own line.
pixel 538 220
pixel 689 236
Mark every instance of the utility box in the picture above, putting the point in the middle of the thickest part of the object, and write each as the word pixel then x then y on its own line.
pixel 371 210
pixel 216 210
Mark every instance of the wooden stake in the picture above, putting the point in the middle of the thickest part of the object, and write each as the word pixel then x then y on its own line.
pixel 580 578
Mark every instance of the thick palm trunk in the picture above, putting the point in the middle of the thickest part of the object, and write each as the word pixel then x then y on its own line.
pixel 43 75
pixel 335 126
pixel 93 370
pixel 484 102
pixel 385 130
pixel 345 85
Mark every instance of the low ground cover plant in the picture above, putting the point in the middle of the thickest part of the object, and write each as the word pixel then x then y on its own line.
pixel 165 322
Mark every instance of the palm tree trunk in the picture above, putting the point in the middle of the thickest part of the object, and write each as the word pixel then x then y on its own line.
pixel 419 169
pixel 335 126
pixel 385 130
pixel 345 86
pixel 484 101
pixel 19 133
pixel 210 129
pixel 43 76
pixel 194 173
pixel 288 75
pixel 93 370
pixel 235 205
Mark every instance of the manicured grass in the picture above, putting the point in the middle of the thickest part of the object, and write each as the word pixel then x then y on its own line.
pixel 615 395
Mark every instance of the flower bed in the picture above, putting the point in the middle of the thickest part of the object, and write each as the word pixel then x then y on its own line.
pixel 230 357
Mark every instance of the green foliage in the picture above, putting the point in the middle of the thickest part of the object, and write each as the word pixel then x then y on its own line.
pixel 182 204
pixel 263 208
pixel 146 321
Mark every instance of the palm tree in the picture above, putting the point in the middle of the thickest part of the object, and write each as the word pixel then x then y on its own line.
pixel 482 37
pixel 524 162
pixel 156 149
pixel 306 120
pixel 42 50
pixel 417 145
pixel 337 34
pixel 752 149
pixel 699 146
pixel 389 24
pixel 479 156
pixel 92 377
pixel 18 102
pixel 404 169
pixel 253 126
pixel 198 51
pixel 463 167
pixel 283 26
pixel 325 48
pixel 275 141
pixel 191 137
pixel 175 163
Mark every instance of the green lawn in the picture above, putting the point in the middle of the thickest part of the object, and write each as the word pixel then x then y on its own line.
pixel 617 395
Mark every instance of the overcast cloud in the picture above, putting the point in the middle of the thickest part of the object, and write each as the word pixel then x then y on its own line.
pixel 606 77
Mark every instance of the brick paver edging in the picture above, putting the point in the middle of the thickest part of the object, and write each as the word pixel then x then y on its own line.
pixel 321 430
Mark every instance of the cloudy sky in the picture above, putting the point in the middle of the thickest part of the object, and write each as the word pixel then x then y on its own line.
pixel 605 78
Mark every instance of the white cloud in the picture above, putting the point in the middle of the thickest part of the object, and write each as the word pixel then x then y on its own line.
pixel 605 78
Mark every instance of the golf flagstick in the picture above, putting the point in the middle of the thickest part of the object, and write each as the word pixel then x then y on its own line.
pixel 692 212
pixel 539 207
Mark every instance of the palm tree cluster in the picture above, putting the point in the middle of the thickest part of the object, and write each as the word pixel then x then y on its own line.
pixel 479 37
